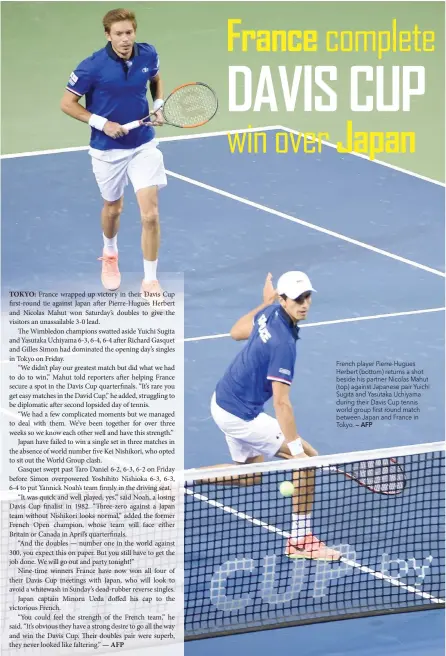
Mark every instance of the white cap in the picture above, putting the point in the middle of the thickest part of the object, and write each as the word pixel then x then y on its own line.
pixel 293 284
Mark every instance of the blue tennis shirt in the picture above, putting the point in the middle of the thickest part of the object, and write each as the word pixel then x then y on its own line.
pixel 117 90
pixel 269 355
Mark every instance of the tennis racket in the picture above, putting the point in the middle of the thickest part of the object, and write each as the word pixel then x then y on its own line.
pixel 384 476
pixel 188 106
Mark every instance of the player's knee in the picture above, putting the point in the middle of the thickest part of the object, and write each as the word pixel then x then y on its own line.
pixel 113 210
pixel 150 219
pixel 113 214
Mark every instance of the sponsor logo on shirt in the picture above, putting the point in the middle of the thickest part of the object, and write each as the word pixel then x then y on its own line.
pixel 264 333
pixel 145 70
pixel 73 79
pixel 285 371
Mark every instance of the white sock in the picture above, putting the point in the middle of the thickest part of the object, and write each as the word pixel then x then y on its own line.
pixel 150 270
pixel 300 525
pixel 111 245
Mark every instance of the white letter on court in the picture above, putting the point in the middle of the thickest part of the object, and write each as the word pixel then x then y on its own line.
pixel 327 571
pixel 268 593
pixel 218 585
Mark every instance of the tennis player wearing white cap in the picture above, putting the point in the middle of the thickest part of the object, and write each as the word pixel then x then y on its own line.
pixel 264 368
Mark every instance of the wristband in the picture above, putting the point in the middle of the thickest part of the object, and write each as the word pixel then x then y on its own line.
pixel 158 104
pixel 97 122
pixel 296 447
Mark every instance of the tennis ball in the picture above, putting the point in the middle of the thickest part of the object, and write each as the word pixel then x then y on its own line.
pixel 287 489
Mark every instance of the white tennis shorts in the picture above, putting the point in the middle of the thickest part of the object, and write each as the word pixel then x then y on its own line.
pixel 143 166
pixel 247 439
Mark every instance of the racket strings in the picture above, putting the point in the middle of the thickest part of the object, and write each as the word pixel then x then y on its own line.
pixel 383 475
pixel 191 105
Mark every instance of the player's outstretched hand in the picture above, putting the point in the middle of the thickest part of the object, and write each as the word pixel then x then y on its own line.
pixel 114 130
pixel 269 293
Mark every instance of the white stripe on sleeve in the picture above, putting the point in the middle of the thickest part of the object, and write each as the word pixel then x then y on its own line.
pixel 280 380
pixel 75 92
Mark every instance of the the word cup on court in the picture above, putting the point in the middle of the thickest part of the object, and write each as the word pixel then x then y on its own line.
pixel 396 571
pixel 313 88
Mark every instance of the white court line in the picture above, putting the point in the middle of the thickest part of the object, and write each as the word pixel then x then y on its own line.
pixel 203 337
pixel 179 137
pixel 313 226
pixel 274 529
pixel 220 133
pixel 332 322
pixel 376 161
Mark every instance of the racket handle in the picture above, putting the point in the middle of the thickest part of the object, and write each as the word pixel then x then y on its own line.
pixel 132 125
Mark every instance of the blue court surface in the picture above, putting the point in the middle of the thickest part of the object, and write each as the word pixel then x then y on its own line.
pixel 372 241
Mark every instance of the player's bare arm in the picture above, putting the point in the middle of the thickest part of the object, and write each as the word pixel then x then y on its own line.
pixel 70 106
pixel 157 87
pixel 285 416
pixel 242 328
pixel 157 93
pixel 282 406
